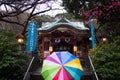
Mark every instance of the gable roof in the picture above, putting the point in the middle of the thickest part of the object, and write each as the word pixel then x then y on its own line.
pixel 62 22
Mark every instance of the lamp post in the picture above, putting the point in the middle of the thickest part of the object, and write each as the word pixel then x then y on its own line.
pixel 104 39
pixel 20 40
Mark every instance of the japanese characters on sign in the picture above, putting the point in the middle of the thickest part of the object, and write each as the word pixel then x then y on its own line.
pixel 32 36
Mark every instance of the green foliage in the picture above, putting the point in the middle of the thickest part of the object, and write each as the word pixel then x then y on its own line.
pixel 72 6
pixel 12 63
pixel 69 16
pixel 103 10
pixel 106 60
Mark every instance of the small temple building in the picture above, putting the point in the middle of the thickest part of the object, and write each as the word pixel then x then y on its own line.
pixel 64 35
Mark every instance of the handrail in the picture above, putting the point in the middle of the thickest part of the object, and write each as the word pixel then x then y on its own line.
pixel 93 67
pixel 25 76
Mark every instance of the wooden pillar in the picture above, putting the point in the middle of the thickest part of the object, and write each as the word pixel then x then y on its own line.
pixel 43 48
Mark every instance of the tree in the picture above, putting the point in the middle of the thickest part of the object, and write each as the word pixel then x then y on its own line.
pixel 12 63
pixel 67 15
pixel 15 8
pixel 41 18
pixel 103 10
pixel 106 60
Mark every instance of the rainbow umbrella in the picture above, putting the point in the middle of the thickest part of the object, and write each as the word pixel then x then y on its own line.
pixel 61 65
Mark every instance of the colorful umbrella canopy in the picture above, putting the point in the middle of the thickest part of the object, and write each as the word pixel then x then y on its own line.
pixel 61 65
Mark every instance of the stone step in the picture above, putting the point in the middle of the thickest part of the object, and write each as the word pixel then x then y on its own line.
pixel 39 77
pixel 36 77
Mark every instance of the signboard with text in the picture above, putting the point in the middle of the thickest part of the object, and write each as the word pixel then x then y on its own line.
pixel 92 34
pixel 32 36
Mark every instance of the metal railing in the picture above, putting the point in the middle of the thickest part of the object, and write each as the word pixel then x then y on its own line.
pixel 27 72
pixel 93 68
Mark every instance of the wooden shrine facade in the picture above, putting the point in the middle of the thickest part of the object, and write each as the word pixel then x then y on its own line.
pixel 63 35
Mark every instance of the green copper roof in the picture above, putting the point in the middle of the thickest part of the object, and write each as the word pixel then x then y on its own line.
pixel 63 22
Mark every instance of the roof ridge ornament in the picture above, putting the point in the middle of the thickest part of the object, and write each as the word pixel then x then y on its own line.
pixel 64 19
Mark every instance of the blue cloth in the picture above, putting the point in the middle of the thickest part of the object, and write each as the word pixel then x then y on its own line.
pixel 32 36
pixel 92 34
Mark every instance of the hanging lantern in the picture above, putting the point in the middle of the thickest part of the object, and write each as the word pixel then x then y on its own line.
pixel 75 48
pixel 50 48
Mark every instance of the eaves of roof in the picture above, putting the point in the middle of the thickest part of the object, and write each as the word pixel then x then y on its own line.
pixel 63 23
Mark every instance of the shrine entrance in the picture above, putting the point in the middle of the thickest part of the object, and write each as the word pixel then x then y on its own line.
pixel 63 46
pixel 63 40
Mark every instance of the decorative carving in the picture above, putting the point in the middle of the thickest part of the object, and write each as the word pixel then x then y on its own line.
pixel 67 40
pixel 57 40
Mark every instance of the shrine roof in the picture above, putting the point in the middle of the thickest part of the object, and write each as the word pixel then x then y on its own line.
pixel 62 22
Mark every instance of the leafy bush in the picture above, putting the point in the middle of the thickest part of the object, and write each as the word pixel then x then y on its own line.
pixel 106 60
pixel 12 63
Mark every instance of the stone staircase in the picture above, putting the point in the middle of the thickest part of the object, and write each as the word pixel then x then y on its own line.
pixel 36 69
pixel 35 75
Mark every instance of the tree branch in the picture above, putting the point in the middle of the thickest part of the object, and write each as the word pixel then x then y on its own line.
pixel 12 22
pixel 25 27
